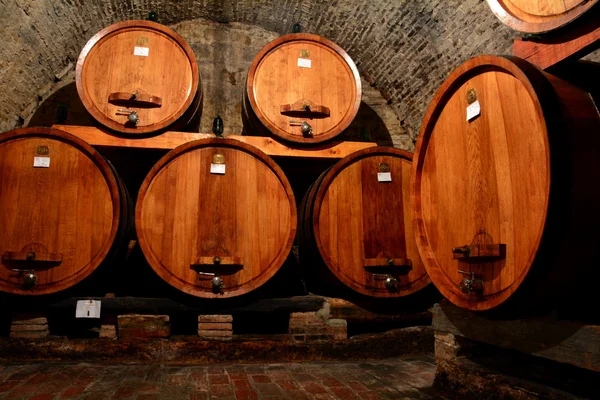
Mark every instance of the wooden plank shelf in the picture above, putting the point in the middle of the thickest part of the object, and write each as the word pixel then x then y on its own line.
pixel 567 44
pixel 564 341
pixel 171 139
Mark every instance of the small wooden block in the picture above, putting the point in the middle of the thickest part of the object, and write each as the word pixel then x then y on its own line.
pixel 212 333
pixel 480 251
pixel 215 318
pixel 221 326
pixel 20 328
pixel 27 320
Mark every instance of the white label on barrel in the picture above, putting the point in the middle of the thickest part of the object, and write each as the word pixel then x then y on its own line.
pixel 141 51
pixel 87 309
pixel 384 176
pixel 473 110
pixel 304 62
pixel 41 162
pixel 217 169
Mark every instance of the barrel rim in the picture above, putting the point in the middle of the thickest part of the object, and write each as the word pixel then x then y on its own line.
pixel 116 195
pixel 550 23
pixel 536 85
pixel 183 285
pixel 99 116
pixel 316 202
pixel 344 123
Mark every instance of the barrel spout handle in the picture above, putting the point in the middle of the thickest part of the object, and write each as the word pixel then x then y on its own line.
pixel 135 99
pixel 304 109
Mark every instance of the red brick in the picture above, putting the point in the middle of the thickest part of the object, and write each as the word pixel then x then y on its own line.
pixel 45 396
pixel 234 376
pixel 218 379
pixel 83 381
pixel 280 376
pixel 53 387
pixel 268 389
pixel 199 396
pixel 215 318
pixel 359 387
pixel 297 395
pixel 73 391
pixel 5 387
pixel 370 396
pixel 147 388
pixel 303 377
pixel 220 390
pixel 343 393
pixel 242 384
pixel 21 392
pixel 260 378
pixel 331 382
pixel 314 388
pixel 246 395
pixel 214 334
pixel 124 392
pixel 176 380
pixel 287 385
pixel 148 397
pixel 213 326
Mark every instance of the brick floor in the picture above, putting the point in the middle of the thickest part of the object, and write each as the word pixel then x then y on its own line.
pixel 402 378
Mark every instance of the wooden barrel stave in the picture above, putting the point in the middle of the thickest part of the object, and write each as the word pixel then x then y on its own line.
pixel 74 212
pixel 104 78
pixel 495 185
pixel 353 224
pixel 275 98
pixel 186 217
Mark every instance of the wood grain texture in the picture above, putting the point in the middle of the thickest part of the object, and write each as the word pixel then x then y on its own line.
pixel 355 222
pixel 515 176
pixel 169 140
pixel 70 214
pixel 539 16
pixel 575 43
pixel 276 82
pixel 186 215
pixel 111 63
pixel 559 340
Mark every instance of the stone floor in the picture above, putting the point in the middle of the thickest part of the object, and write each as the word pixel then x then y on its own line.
pixel 400 378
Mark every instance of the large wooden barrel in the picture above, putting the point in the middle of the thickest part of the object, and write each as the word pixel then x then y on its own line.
pixel 539 16
pixel 356 219
pixel 216 218
pixel 140 77
pixel 63 211
pixel 504 199
pixel 301 78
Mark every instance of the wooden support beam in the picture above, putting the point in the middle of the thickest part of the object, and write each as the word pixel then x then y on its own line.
pixel 169 140
pixel 570 44
pixel 564 341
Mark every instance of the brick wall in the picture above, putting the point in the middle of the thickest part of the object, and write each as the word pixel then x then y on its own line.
pixel 404 48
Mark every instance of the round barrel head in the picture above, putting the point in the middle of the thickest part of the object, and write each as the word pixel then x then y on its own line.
pixel 362 225
pixel 137 77
pixel 538 16
pixel 216 218
pixel 481 184
pixel 304 79
pixel 59 210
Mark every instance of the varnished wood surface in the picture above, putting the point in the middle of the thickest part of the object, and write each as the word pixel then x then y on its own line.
pixel 356 222
pixel 68 214
pixel 165 81
pixel 577 42
pixel 276 83
pixel 513 176
pixel 169 140
pixel 186 215
pixel 538 16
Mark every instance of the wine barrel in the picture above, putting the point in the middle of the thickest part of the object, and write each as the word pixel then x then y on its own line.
pixel 538 16
pixel 216 218
pixel 503 198
pixel 140 77
pixel 63 210
pixel 301 79
pixel 355 219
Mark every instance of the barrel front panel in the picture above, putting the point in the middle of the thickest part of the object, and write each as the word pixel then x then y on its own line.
pixel 483 183
pixel 189 216
pixel 141 61
pixel 62 210
pixel 361 221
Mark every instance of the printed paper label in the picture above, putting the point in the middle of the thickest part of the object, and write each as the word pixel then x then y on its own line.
pixel 217 169
pixel 88 309
pixel 141 51
pixel 384 176
pixel 41 162
pixel 473 110
pixel 304 63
